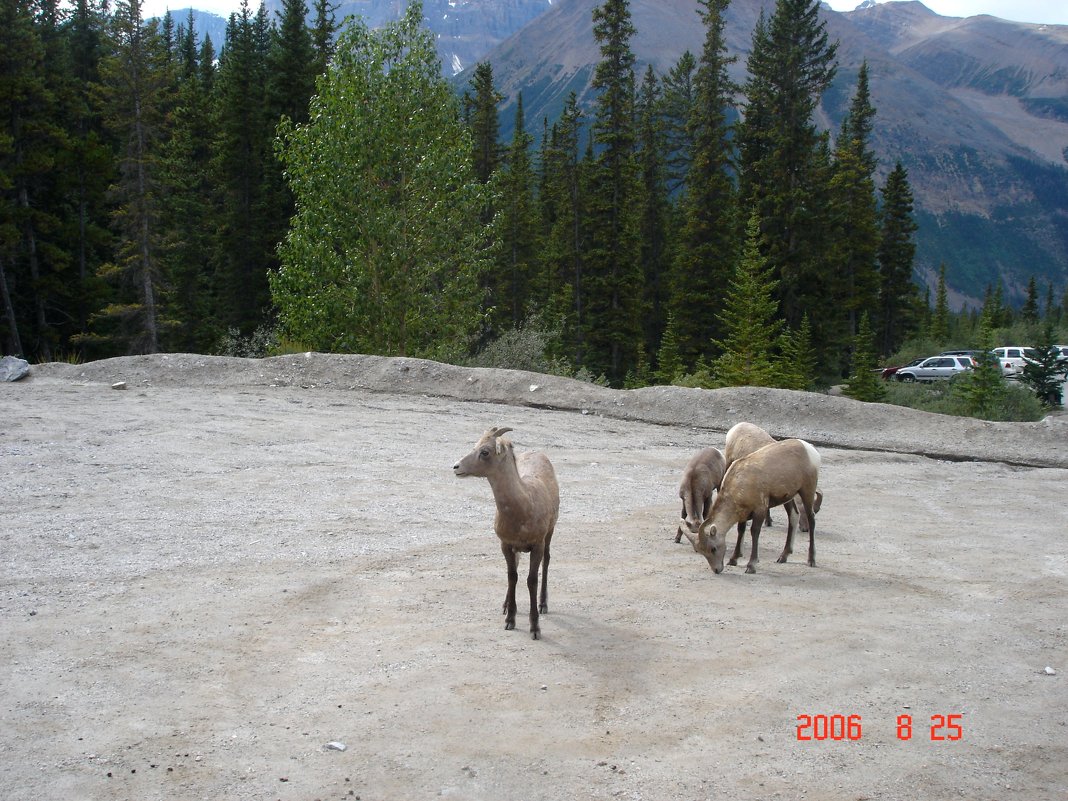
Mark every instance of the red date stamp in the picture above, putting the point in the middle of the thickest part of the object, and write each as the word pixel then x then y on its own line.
pixel 851 727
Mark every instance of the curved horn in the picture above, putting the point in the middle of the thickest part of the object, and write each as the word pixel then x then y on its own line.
pixel 496 432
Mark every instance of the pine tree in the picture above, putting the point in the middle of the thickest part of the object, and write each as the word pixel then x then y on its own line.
pixel 864 382
pixel 611 323
pixel 706 243
pixel 387 245
pixel 669 362
pixel 899 301
pixel 750 321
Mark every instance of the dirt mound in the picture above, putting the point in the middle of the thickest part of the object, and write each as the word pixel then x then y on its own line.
pixel 821 419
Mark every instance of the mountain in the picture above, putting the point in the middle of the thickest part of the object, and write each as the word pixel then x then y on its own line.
pixel 976 109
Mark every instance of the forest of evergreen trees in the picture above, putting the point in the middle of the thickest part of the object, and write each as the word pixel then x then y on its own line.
pixel 332 192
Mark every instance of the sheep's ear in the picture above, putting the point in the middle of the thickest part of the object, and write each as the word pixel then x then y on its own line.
pixel 501 445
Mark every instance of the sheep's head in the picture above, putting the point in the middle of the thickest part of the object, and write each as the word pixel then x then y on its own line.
pixel 711 544
pixel 488 453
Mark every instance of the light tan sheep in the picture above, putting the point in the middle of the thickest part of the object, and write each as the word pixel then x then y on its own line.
pixel 752 485
pixel 700 480
pixel 528 505
pixel 741 440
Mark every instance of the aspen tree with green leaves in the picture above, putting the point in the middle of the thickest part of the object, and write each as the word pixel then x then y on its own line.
pixel 387 245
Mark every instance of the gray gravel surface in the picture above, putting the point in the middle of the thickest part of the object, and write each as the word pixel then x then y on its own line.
pixel 208 577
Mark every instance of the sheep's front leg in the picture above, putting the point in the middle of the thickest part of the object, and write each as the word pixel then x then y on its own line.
pixel 543 605
pixel 513 578
pixel 758 520
pixel 532 590
pixel 810 514
pixel 738 545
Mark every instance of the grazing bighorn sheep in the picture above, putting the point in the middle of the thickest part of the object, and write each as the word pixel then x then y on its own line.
pixel 743 439
pixel 528 505
pixel 768 477
pixel 700 479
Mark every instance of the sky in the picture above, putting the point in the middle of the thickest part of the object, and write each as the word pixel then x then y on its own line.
pixel 1053 12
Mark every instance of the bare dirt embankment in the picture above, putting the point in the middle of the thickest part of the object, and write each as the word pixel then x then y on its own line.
pixel 210 576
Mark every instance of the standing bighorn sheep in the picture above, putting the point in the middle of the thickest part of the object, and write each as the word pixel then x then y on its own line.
pixel 528 505
pixel 753 484
pixel 700 480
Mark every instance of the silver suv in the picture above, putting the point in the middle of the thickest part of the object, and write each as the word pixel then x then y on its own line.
pixel 935 367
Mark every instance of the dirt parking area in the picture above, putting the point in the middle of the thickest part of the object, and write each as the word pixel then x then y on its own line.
pixel 261 580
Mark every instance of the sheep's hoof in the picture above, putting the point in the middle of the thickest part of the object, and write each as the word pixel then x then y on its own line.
pixel 543 608
pixel 811 562
pixel 509 625
pixel 781 560
pixel 733 562
pixel 535 634
pixel 678 536
pixel 750 569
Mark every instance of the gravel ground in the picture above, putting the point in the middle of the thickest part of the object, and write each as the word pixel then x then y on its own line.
pixel 209 577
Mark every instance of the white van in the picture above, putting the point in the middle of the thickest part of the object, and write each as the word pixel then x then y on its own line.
pixel 1011 358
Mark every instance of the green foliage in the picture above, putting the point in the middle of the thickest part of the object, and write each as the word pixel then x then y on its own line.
pixel 1016 405
pixel 260 343
pixel 982 390
pixel 750 320
pixel 387 245
pixel 865 383
pixel 526 346
pixel 1044 374
pixel 798 360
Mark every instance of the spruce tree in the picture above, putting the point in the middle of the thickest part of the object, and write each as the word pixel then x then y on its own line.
pixel 1029 310
pixel 750 321
pixel 899 300
pixel 559 287
pixel 517 263
pixel 611 322
pixel 678 98
pixel 387 245
pixel 983 388
pixel 136 84
pixel 865 383
pixel 797 359
pixel 706 246
pixel 854 219
pixel 246 236
pixel 654 231
pixel 480 111
pixel 1045 371
pixel 940 318
pixel 783 157
pixel 324 29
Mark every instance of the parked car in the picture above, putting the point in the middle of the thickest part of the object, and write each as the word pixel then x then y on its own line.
pixel 1012 358
pixel 890 372
pixel 935 367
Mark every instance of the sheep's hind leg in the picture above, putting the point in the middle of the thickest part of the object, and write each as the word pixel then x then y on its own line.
pixel 532 590
pixel 513 578
pixel 791 527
